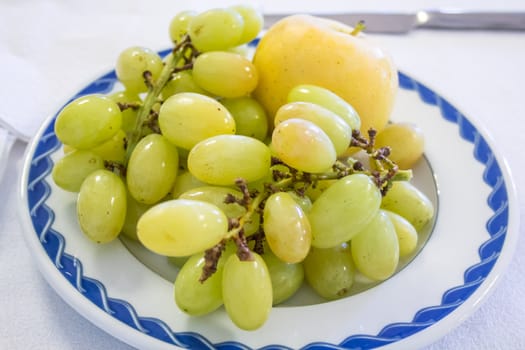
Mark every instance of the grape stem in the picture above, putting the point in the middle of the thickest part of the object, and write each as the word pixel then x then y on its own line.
pixel 154 90
pixel 251 208
pixel 211 257
pixel 359 27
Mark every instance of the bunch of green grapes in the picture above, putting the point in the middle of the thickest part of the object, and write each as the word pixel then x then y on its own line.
pixel 188 163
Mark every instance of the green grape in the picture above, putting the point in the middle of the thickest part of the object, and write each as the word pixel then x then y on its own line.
pixel 88 121
pixel 303 145
pixel 134 211
pixel 405 199
pixel 187 118
pixel 330 271
pixel 181 227
pixel 113 149
pixel 375 249
pixel 182 82
pixel 194 297
pixel 250 117
pixel 303 201
pixel 225 74
pixel 101 206
pixel 223 159
pixel 247 291
pixel 152 169
pixel 179 24
pixel 343 209
pixel 70 171
pixel 286 228
pixel 244 50
pixel 178 261
pixel 217 195
pixel 313 192
pixel 406 143
pixel 185 181
pixel 332 124
pixel 216 29
pixel 131 65
pixel 129 115
pixel 406 234
pixel 253 22
pixel 67 149
pixel 327 99
pixel 286 278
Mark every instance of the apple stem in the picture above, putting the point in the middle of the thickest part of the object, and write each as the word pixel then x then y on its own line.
pixel 359 27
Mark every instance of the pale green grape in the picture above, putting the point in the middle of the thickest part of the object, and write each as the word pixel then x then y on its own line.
pixel 375 249
pixel 313 192
pixel 405 199
pixel 88 121
pixel 182 82
pixel 178 261
pixel 194 297
pixel 286 228
pixel 179 24
pixel 129 115
pixel 221 160
pixel 250 117
pixel 187 118
pixel 67 149
pixel 260 185
pixel 406 142
pixel 131 65
pixel 113 149
pixel 286 278
pixel 101 206
pixel 332 124
pixel 247 291
pixel 185 181
pixel 216 195
pixel 216 29
pixel 253 22
pixel 181 227
pixel 134 211
pixel 326 98
pixel 343 209
pixel 152 169
pixel 225 74
pixel 330 271
pixel 244 50
pixel 70 171
pixel 303 201
pixel 406 234
pixel 303 145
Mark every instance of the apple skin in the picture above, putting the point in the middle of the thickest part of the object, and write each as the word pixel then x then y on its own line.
pixel 303 49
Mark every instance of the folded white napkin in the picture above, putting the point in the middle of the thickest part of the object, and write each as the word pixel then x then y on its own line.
pixel 62 47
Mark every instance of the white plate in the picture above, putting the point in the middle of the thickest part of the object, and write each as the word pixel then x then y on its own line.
pixel 472 242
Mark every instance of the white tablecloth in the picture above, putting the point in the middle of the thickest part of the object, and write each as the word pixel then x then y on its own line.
pixel 49 49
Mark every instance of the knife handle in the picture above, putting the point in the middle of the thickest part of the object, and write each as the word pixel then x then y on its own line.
pixel 471 20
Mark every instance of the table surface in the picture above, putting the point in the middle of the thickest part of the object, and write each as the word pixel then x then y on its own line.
pixel 481 73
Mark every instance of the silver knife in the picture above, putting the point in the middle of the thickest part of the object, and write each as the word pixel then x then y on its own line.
pixel 401 22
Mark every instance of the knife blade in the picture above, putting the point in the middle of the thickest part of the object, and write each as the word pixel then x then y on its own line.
pixel 402 23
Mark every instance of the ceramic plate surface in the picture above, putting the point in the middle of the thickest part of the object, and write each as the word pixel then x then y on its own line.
pixel 469 247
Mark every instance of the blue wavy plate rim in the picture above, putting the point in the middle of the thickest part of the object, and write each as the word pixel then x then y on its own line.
pixel 35 191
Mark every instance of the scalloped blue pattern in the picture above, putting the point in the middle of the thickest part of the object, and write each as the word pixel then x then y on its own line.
pixel 53 242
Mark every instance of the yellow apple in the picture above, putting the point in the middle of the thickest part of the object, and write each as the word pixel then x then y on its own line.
pixel 303 49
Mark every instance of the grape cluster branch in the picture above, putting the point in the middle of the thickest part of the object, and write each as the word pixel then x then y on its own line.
pixel 182 52
pixel 286 178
